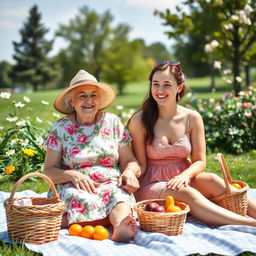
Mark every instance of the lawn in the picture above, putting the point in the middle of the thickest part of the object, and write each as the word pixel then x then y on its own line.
pixel 242 167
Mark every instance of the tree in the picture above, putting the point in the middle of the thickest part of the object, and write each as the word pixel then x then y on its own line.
pixel 124 63
pixel 88 36
pixel 5 81
pixel 32 65
pixel 231 23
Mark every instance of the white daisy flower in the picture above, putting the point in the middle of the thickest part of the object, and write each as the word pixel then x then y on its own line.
pixel 10 152
pixel 12 119
pixel 26 99
pixel 19 105
pixel 5 95
pixel 44 102
pixel 38 120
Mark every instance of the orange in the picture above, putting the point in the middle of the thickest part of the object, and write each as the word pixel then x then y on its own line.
pixel 75 230
pixel 236 185
pixel 173 208
pixel 169 201
pixel 87 232
pixel 100 233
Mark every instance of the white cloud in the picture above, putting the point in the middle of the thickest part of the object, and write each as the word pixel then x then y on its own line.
pixel 8 24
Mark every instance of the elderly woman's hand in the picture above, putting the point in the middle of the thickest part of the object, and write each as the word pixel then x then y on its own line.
pixel 83 181
pixel 128 181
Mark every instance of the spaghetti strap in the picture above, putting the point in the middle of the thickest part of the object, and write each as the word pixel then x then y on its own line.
pixel 187 123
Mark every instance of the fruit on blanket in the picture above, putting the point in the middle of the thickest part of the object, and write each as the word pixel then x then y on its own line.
pixel 87 232
pixel 100 233
pixel 150 206
pixel 75 230
pixel 158 208
pixel 236 185
pixel 173 208
pixel 169 201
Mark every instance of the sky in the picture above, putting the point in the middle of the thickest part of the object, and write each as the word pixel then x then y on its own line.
pixel 138 14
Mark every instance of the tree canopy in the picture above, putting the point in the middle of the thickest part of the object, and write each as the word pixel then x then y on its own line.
pixel 32 65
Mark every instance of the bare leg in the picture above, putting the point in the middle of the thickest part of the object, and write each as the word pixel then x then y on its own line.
pixel 205 210
pixel 124 224
pixel 211 186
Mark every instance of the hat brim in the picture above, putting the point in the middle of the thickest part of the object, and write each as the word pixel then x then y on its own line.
pixel 107 96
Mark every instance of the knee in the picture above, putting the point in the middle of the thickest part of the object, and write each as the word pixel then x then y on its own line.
pixel 187 193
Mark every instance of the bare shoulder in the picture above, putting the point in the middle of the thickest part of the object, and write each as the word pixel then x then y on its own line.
pixel 194 116
pixel 135 122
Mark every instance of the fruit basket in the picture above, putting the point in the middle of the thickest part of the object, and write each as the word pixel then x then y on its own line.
pixel 235 201
pixel 168 223
pixel 35 220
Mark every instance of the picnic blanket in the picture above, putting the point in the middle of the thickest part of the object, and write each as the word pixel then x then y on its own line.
pixel 197 238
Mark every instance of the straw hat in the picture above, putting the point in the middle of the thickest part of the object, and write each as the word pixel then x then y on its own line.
pixel 107 93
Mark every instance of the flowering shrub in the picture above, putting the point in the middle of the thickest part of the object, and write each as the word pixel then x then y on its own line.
pixel 20 141
pixel 230 122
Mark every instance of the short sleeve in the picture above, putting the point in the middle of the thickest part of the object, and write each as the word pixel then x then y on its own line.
pixel 124 136
pixel 54 138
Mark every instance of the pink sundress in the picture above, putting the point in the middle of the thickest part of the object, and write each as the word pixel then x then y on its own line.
pixel 164 161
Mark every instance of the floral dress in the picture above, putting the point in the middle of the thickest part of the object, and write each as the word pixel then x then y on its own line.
pixel 96 156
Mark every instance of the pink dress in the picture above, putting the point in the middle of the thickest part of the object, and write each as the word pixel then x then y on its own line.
pixel 164 161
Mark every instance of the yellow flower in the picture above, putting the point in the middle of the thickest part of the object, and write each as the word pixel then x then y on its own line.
pixel 10 169
pixel 28 152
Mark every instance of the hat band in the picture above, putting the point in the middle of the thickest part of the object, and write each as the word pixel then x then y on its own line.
pixel 81 81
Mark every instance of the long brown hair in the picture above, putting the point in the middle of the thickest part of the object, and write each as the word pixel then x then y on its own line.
pixel 150 108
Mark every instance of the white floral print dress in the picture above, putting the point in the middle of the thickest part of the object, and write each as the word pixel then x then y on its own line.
pixel 96 156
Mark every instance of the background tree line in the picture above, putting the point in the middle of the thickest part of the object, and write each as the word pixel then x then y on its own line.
pixel 208 31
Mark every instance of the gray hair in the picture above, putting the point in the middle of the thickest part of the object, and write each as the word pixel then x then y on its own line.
pixel 67 101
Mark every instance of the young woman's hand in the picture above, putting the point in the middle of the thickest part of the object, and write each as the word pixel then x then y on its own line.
pixel 128 181
pixel 178 181
pixel 83 181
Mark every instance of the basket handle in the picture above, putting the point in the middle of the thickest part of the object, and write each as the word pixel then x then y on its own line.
pixel 225 172
pixel 27 176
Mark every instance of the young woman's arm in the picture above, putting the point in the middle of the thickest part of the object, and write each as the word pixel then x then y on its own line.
pixel 137 132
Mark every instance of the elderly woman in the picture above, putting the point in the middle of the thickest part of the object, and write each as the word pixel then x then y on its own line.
pixel 89 158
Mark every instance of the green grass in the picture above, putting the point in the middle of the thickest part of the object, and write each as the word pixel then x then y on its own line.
pixel 242 167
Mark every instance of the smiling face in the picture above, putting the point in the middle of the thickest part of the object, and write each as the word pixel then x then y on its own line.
pixel 86 101
pixel 164 87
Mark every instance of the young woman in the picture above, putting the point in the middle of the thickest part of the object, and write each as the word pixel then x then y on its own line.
pixel 169 144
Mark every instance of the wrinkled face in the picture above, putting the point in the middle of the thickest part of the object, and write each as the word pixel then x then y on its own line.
pixel 164 87
pixel 86 100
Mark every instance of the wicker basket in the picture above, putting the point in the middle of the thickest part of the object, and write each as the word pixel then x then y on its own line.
pixel 168 223
pixel 235 201
pixel 37 223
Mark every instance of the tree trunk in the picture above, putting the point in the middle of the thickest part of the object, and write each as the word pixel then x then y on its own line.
pixel 247 75
pixel 35 87
pixel 236 63
pixel 213 83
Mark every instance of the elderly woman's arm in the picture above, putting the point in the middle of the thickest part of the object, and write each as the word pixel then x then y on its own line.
pixel 131 170
pixel 52 168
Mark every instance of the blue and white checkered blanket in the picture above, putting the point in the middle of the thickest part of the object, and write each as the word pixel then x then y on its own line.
pixel 197 238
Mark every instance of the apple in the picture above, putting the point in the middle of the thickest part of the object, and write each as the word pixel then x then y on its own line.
pixel 150 206
pixel 158 209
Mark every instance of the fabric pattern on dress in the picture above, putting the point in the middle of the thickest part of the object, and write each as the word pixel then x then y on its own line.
pixel 96 156
pixel 164 161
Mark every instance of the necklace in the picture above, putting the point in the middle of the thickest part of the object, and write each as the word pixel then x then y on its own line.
pixel 87 130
